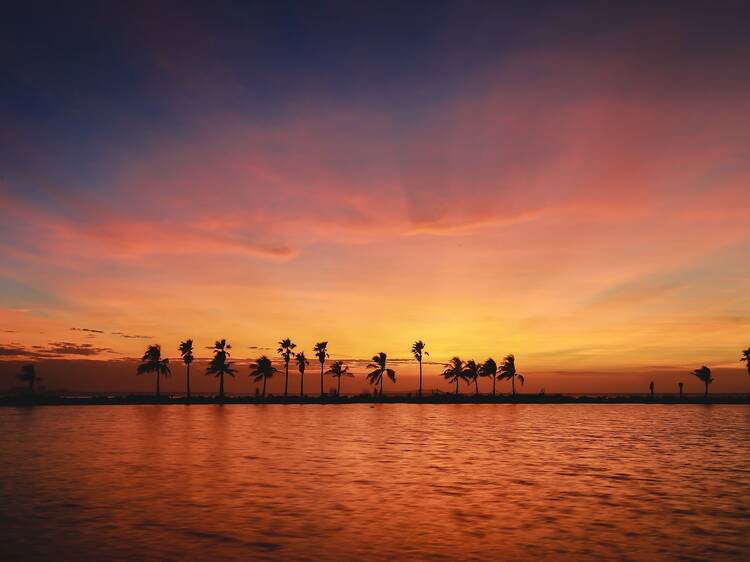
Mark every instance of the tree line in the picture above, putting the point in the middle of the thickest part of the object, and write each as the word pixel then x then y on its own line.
pixel 262 369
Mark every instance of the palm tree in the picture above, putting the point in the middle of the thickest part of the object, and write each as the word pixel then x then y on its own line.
pixel 186 350
pixel 680 385
pixel 489 369
pixel 379 367
pixel 152 362
pixel 471 370
pixel 302 362
pixel 263 370
pixel 28 374
pixel 704 374
pixel 219 365
pixel 321 352
pixel 338 370
pixel 417 350
pixel 651 389
pixel 508 371
pixel 454 372
pixel 285 349
pixel 746 358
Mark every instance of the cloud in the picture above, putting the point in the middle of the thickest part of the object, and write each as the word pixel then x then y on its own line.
pixel 53 350
pixel 87 330
pixel 131 336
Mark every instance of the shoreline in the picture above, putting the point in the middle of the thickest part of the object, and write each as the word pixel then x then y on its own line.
pixel 130 400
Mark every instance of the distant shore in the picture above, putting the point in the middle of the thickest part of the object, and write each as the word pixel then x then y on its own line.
pixel 137 399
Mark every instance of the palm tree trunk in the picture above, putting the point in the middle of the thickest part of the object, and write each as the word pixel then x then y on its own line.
pixel 456 387
pixel 420 378
pixel 302 384
pixel 476 386
pixel 221 386
pixel 513 382
pixel 705 394
pixel 321 380
pixel 264 386
pixel 286 379
pixel 338 387
pixel 157 384
pixel 494 380
pixel 381 385
pixel 188 382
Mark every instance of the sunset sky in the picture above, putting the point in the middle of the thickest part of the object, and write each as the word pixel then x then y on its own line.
pixel 569 182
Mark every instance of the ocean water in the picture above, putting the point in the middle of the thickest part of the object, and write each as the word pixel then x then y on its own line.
pixel 383 482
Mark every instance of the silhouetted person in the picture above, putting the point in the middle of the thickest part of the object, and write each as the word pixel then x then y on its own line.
pixel 379 369
pixel 321 352
pixel 285 349
pixel 152 362
pixel 454 372
pixel 680 385
pixel 704 374
pixel 302 362
pixel 338 370
pixel 417 350
pixel 220 366
pixel 186 350
pixel 471 370
pixel 489 369
pixel 262 370
pixel 651 388
pixel 508 371
pixel 28 375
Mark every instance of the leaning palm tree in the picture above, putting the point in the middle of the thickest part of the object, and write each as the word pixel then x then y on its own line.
pixel 262 370
pixel 302 362
pixel 321 352
pixel 186 350
pixel 152 362
pixel 417 350
pixel 471 370
pixel 746 358
pixel 285 349
pixel 28 374
pixel 508 371
pixel 219 365
pixel 454 372
pixel 338 370
pixel 489 369
pixel 375 377
pixel 704 374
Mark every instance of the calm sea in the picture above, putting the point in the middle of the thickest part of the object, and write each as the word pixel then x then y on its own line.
pixel 389 482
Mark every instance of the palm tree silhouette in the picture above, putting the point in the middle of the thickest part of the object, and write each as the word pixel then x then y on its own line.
pixel 418 350
pixel 508 371
pixel 704 374
pixel 746 358
pixel 219 366
pixel 338 370
pixel 152 362
pixel 263 370
pixel 489 369
pixel 186 350
pixel 321 352
pixel 471 370
pixel 454 372
pixel 28 374
pixel 651 389
pixel 680 385
pixel 379 367
pixel 302 362
pixel 285 349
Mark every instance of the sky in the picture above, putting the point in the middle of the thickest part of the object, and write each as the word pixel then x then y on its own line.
pixel 569 182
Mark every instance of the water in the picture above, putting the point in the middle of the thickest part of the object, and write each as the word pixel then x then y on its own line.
pixel 427 482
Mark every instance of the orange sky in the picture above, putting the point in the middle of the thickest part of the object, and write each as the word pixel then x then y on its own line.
pixel 580 201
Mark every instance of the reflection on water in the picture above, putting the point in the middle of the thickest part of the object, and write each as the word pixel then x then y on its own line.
pixel 481 482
